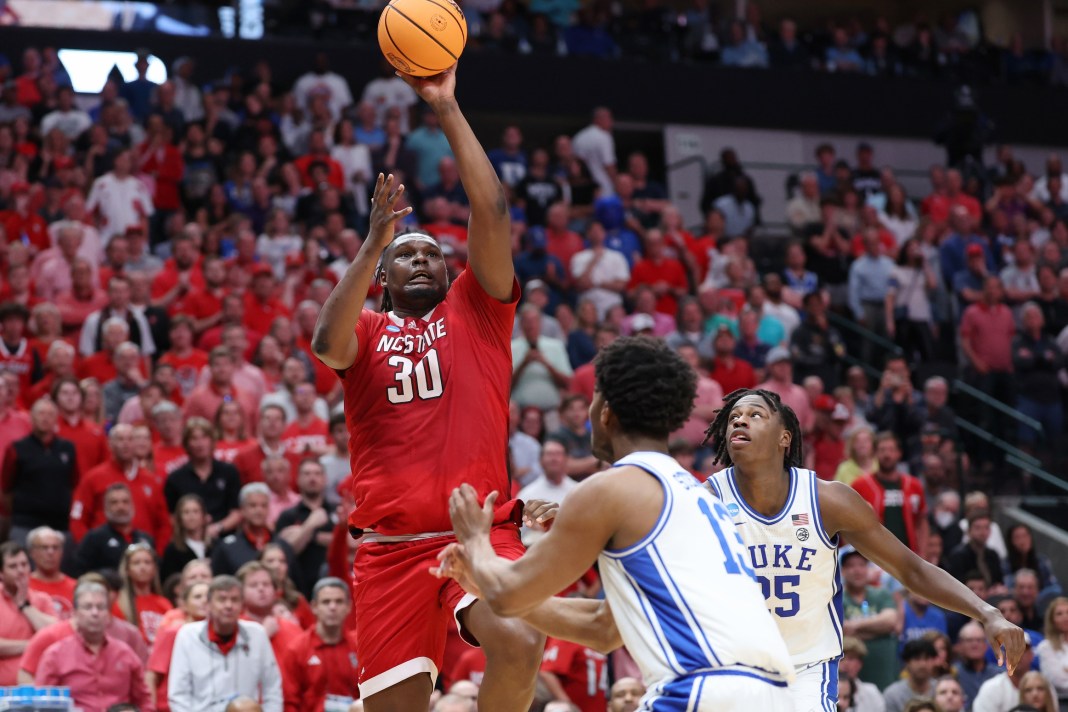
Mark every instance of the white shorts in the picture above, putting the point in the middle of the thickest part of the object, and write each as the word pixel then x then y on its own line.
pixel 719 690
pixel 816 687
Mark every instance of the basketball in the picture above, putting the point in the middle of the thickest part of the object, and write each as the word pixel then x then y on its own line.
pixel 422 37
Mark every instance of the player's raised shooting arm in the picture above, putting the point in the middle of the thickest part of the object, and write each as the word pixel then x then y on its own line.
pixel 489 241
pixel 845 512
pixel 334 339
pixel 584 621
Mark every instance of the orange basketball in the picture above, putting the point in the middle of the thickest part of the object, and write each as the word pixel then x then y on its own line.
pixel 422 37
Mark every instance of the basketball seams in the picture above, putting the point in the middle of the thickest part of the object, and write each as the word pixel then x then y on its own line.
pixel 385 23
pixel 461 22
pixel 421 29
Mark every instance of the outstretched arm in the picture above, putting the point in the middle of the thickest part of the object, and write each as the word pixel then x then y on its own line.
pixel 334 338
pixel 489 242
pixel 845 512
pixel 516 588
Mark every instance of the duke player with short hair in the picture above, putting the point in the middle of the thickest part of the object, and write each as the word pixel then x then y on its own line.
pixel 791 522
pixel 692 616
pixel 426 403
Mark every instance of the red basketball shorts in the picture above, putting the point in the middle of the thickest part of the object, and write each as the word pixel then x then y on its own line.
pixel 402 610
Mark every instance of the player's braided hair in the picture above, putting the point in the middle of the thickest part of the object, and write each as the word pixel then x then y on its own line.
pixel 646 384
pixel 717 429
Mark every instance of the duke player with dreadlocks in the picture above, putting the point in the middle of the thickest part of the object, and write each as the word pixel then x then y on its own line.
pixel 426 387
pixel 792 522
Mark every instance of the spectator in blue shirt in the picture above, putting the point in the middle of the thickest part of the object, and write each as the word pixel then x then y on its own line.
pixel 841 57
pixel 869 280
pixel 509 160
pixel 743 52
pixel 138 93
pixel 429 145
pixel 951 251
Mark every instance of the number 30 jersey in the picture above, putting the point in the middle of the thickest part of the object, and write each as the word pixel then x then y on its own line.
pixel 795 563
pixel 426 405
pixel 683 597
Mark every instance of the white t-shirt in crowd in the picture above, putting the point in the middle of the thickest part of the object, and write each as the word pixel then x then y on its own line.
pixel 332 86
pixel 597 148
pixel 121 203
pixel 383 94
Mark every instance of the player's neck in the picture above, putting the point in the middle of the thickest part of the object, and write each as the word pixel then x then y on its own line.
pixel 623 445
pixel 764 486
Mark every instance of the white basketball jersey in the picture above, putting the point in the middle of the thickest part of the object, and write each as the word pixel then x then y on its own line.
pixel 683 597
pixel 795 563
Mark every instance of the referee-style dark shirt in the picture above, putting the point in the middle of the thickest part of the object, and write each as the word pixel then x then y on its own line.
pixel 219 492
pixel 41 479
pixel 103 547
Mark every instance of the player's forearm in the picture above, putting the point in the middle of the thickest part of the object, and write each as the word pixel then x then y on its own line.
pixel 483 188
pixel 941 589
pixel 496 579
pixel 581 620
pixel 337 320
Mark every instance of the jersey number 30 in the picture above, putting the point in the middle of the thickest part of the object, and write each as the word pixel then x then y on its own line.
pixel 427 378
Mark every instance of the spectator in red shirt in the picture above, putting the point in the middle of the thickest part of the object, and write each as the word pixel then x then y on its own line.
pixel 322 660
pixel 187 360
pixel 249 461
pixel 261 304
pixel 665 275
pixel 232 314
pixel 307 435
pixel 16 356
pixel 23 612
pixel 563 243
pixel 22 223
pixel 939 205
pixel 825 449
pixel 180 275
pixel 582 381
pixel 90 443
pixel 101 364
pixel 260 591
pixel 168 454
pixel 728 370
pixel 160 159
pixel 319 152
pixel 204 303
pixel 100 671
pixel 150 508
pixel 205 400
pixel 46 551
pixel 141 600
pixel 59 363
pixel 84 298
pixel 230 432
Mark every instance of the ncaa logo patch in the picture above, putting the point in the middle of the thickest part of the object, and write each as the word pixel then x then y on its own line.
pixel 802 534
pixel 394 329
pixel 733 509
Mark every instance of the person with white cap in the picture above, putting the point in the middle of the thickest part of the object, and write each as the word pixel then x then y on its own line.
pixel 780 381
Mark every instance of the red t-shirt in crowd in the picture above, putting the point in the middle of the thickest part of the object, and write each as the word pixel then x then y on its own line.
pixel 150 508
pixel 739 375
pixel 61 592
pixel 667 270
pixel 159 662
pixel 989 331
pixel 259 315
pixel 249 463
pixel 302 439
pixel 186 368
pixel 582 673
pixel 412 378
pixel 471 667
pixel 168 458
pixel 90 442
pixel 226 450
pixel 828 455
pixel 150 611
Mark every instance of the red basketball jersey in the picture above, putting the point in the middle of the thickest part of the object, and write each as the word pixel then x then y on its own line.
pixel 426 403
pixel 581 671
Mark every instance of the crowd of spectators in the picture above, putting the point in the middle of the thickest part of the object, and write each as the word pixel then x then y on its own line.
pixel 951 45
pixel 169 439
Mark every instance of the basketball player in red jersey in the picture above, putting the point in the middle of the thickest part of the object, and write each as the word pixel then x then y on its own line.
pixel 426 403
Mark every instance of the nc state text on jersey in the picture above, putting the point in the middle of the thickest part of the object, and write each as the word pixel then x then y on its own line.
pixel 413 343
